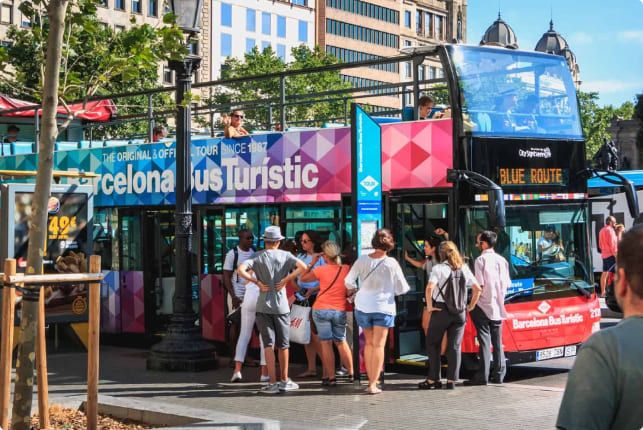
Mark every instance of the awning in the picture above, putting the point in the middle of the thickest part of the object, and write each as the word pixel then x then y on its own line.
pixel 98 111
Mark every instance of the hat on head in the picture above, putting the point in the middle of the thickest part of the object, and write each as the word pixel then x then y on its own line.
pixel 272 234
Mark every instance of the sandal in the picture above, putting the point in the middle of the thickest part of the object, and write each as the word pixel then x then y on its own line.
pixel 375 390
pixel 325 382
pixel 426 385
pixel 350 378
pixel 332 382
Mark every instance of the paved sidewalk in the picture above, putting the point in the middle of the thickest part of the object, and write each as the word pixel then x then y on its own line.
pixel 123 378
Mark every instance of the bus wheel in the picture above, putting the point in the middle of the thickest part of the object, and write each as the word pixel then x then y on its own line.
pixel 470 364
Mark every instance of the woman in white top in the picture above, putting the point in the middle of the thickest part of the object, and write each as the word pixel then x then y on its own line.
pixel 442 320
pixel 380 280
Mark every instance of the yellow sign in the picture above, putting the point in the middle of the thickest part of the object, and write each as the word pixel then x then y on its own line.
pixel 59 226
pixel 534 176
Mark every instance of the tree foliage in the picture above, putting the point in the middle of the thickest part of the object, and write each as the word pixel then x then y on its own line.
pixel 314 112
pixel 596 120
pixel 96 60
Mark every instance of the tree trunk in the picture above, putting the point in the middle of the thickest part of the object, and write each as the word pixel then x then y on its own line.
pixel 23 397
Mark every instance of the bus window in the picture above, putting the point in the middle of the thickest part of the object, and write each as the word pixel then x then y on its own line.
pixel 254 218
pixel 547 249
pixel 322 219
pixel 523 94
pixel 105 226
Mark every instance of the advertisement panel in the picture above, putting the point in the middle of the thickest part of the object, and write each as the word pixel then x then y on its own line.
pixel 68 244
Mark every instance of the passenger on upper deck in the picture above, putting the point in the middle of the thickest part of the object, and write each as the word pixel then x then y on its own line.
pixel 12 134
pixel 505 120
pixel 159 132
pixel 233 124
pixel 425 104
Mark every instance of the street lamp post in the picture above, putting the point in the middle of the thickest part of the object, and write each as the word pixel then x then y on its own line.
pixel 183 349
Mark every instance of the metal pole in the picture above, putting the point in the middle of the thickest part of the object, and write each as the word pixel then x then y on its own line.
pixel 150 119
pixel 282 101
pixel 183 349
pixel 345 111
pixel 270 116
pixel 417 61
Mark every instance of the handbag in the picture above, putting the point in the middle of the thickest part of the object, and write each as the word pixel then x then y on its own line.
pixel 300 324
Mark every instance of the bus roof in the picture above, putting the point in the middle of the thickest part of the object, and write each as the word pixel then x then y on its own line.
pixel 636 176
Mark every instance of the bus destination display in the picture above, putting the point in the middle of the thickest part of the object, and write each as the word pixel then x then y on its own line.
pixel 533 176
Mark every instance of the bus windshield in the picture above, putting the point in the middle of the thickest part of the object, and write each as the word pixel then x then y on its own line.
pixel 513 93
pixel 547 249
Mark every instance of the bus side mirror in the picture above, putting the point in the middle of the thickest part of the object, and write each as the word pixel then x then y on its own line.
pixel 496 207
pixel 632 199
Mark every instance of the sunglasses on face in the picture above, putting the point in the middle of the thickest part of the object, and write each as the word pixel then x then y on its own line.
pixel 306 241
pixel 236 115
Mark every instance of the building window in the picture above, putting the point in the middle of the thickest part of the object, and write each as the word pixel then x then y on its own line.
pixel 152 8
pixel 265 23
pixel 428 24
pixel 25 22
pixel 6 14
pixel 432 72
pixel 362 33
pixel 226 15
pixel 102 3
pixel 136 6
pixel 300 2
pixel 407 18
pixel 281 26
pixel 168 77
pixel 119 28
pixel 418 22
pixel 281 52
pixel 407 70
pixel 250 45
pixel 226 45
pixel 119 4
pixel 303 31
pixel 251 20
pixel 264 46
pixel 439 27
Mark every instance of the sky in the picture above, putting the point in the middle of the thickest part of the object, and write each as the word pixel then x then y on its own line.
pixel 605 35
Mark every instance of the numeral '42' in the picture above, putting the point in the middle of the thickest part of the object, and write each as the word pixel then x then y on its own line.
pixel 59 226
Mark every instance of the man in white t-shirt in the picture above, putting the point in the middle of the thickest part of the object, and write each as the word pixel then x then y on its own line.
pixel 234 285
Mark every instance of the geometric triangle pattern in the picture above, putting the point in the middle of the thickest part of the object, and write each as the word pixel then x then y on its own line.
pixel 416 154
pixel 212 306
pixel 132 302
pixel 110 313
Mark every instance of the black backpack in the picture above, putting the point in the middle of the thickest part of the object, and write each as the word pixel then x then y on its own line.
pixel 455 293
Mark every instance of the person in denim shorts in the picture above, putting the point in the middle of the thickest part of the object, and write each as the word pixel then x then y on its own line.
pixel 380 279
pixel 329 310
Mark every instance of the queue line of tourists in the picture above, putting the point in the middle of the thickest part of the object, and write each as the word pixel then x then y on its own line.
pixel 370 285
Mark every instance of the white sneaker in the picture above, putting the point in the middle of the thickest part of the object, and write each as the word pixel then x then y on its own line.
pixel 271 388
pixel 264 378
pixel 288 385
pixel 236 377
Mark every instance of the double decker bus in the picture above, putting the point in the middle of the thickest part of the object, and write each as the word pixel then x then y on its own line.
pixel 510 156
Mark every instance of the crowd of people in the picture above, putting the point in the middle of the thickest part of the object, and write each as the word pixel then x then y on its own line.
pixel 258 285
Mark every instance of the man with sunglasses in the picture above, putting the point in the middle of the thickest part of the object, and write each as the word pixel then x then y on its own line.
pixel 233 124
pixel 604 386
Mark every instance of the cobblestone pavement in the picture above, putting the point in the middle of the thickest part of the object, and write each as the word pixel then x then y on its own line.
pixel 521 404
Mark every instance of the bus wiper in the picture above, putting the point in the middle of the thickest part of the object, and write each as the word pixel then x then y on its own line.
pixel 521 293
pixel 581 289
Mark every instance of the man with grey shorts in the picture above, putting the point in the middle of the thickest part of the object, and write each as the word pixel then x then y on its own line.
pixel 273 269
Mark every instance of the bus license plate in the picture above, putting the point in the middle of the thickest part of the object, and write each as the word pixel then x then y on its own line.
pixel 546 354
pixel 570 351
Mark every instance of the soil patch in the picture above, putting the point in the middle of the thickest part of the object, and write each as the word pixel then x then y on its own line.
pixel 73 419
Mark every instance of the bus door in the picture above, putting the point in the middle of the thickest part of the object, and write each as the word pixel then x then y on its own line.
pixel 412 218
pixel 158 268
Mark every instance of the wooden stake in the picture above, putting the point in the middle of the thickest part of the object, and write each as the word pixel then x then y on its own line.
pixel 93 346
pixel 6 346
pixel 41 365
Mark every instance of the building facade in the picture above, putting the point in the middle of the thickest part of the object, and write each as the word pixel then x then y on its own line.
pixel 357 30
pixel 238 26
